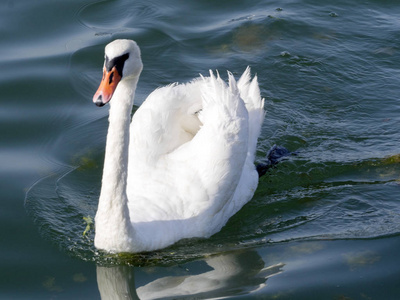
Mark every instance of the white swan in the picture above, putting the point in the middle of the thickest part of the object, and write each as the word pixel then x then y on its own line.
pixel 184 164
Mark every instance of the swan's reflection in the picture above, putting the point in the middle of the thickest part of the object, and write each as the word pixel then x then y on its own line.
pixel 116 283
pixel 226 274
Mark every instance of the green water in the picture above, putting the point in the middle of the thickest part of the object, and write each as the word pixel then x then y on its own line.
pixel 324 224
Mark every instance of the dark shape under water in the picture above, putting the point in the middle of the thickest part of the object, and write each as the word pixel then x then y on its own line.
pixel 274 155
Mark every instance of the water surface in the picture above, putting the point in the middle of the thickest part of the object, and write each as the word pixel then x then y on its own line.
pixel 323 224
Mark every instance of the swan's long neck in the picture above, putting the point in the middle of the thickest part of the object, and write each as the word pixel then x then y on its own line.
pixel 113 227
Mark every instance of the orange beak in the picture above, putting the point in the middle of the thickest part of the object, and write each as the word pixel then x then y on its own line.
pixel 107 86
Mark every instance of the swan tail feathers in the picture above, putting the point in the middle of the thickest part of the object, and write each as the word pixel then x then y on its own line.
pixel 220 146
pixel 245 78
pixel 221 99
pixel 233 84
pixel 250 93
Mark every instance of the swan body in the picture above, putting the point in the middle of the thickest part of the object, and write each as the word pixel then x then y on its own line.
pixel 184 163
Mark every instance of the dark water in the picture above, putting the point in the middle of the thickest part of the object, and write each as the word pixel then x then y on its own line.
pixel 324 224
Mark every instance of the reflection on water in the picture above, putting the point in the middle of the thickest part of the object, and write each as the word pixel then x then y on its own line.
pixel 242 271
pixel 116 283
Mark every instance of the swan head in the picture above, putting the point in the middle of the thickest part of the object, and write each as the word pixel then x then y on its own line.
pixel 121 61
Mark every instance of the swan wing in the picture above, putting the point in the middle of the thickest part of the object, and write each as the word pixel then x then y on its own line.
pixel 215 157
pixel 191 161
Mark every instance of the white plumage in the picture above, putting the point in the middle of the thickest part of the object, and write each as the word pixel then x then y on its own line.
pixel 184 164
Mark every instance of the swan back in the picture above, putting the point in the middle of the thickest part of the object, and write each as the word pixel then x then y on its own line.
pixel 190 183
pixel 166 120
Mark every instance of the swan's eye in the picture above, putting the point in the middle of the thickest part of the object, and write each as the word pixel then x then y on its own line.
pixel 111 78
